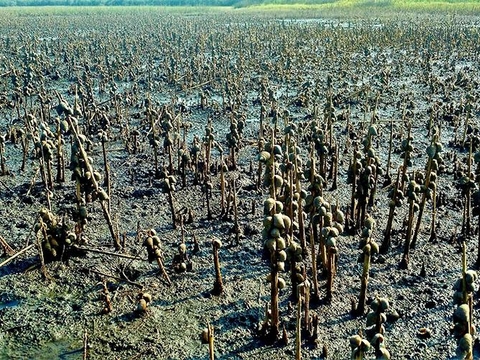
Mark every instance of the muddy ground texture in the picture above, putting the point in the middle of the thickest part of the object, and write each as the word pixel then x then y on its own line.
pixel 49 318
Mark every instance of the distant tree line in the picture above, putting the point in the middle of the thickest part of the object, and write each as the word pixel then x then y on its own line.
pixel 237 3
pixel 4 3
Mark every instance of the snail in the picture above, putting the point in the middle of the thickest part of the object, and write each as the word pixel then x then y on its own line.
pixel 144 300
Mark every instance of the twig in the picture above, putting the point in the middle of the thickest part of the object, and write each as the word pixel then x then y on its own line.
pixel 163 271
pixel 32 183
pixel 126 279
pixel 105 101
pixel 17 254
pixel 7 249
pixel 106 296
pixel 126 256
pixel 85 345
pixel 115 277
pixel 160 116
pixel 6 186
pixel 116 292
pixel 211 349
pixel 199 85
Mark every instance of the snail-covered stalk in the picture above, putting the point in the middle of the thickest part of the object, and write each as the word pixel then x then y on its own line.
pixel 222 186
pixel 89 168
pixel 184 158
pixel 331 267
pixel 275 320
pixel 433 228
pixel 49 173
pixel 432 116
pixel 106 181
pixel 330 113
pixel 301 222
pixel 389 158
pixel 295 274
pixel 468 199
pixel 423 202
pixel 60 155
pixel 236 225
pixel 464 272
pixel 289 176
pixel 207 187
pixel 233 157
pixel 312 165
pixel 465 128
pixel 24 151
pixel 316 290
pixel 463 328
pixel 306 303
pixel 391 213
pixel 314 333
pixel 208 146
pixel 170 158
pixel 298 329
pixel 260 166
pixel 362 300
pixel 153 142
pixel 229 201
pixel 467 296
pixel 322 166
pixel 335 169
pixel 369 247
pixel 478 248
pixel 353 201
pixel 218 284
pixel 407 149
pixel 406 249
pixel 322 252
pixel 40 249
pixel 170 189
pixel 196 155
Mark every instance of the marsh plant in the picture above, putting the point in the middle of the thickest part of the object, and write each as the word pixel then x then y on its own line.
pixel 464 330
pixel 369 248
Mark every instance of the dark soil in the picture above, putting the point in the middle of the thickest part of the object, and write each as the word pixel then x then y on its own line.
pixel 432 61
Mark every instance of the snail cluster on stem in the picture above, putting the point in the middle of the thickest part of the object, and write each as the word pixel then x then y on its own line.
pixel 3 163
pixel 331 226
pixel 413 189
pixel 181 261
pixel 57 238
pixel 429 187
pixel 375 329
pixel 359 347
pixel 476 201
pixel 463 328
pixel 237 124
pixel 152 243
pixel 168 185
pixel 369 247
